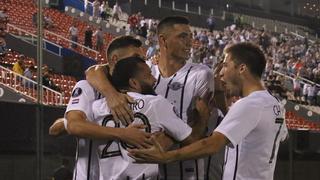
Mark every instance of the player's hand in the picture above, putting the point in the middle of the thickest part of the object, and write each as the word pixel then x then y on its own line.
pixel 118 103
pixel 155 154
pixel 57 128
pixel 134 135
pixel 204 105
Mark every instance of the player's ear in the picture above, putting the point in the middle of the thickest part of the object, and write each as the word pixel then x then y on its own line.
pixel 133 83
pixel 242 68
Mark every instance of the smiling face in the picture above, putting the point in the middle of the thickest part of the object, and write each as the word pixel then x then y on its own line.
pixel 177 41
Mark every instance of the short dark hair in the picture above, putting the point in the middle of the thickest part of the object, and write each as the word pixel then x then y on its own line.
pixel 248 54
pixel 122 42
pixel 169 21
pixel 124 70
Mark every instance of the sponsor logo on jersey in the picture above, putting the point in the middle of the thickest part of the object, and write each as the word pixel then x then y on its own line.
pixel 76 92
pixel 75 101
pixel 175 86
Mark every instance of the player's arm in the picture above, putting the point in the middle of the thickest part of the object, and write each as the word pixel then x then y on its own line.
pixel 199 115
pixel 117 102
pixel 78 125
pixel 57 128
pixel 204 147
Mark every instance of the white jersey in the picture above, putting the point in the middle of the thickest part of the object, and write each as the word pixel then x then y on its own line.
pixel 87 166
pixel 254 126
pixel 190 81
pixel 158 115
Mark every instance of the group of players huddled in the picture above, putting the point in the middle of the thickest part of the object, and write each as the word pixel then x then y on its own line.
pixel 136 119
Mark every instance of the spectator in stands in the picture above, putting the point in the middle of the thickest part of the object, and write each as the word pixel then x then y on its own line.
pixel 46 80
pixel 88 37
pixel 18 67
pixel 133 23
pixel 86 3
pixel 3 47
pixel 96 6
pixel 73 31
pixel 297 88
pixel 63 172
pixel 143 30
pixel 35 19
pixel 311 94
pixel 48 23
pixel 116 12
pixel 99 34
pixel 151 50
pixel 28 73
pixel 318 97
pixel 210 23
pixel 104 9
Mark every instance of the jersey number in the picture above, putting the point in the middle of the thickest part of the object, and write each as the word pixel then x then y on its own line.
pixel 277 121
pixel 106 152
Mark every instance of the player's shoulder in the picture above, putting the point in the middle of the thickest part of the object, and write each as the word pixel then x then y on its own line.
pixel 258 99
pixel 83 84
pixel 200 67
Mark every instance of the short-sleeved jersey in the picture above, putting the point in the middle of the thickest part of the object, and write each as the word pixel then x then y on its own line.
pixel 87 166
pixel 190 81
pixel 158 114
pixel 254 126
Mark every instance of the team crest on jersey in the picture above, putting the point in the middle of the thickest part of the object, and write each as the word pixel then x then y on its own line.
pixel 276 110
pixel 76 92
pixel 175 86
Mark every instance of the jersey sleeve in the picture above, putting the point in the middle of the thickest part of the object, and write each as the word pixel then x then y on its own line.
pixel 82 98
pixel 241 119
pixel 205 81
pixel 165 115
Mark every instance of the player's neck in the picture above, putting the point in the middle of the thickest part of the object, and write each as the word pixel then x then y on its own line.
pixel 168 66
pixel 251 85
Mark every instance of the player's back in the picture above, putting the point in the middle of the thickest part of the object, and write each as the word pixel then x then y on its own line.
pixel 259 147
pixel 158 115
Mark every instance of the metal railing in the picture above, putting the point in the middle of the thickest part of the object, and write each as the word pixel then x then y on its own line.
pixel 58 38
pixel 34 38
pixel 83 48
pixel 304 80
pixel 27 87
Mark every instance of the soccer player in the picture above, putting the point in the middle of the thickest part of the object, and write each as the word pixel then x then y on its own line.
pixel 251 130
pixel 132 75
pixel 79 117
pixel 178 82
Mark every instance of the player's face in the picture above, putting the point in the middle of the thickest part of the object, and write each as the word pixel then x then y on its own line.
pixel 146 80
pixel 178 41
pixel 230 75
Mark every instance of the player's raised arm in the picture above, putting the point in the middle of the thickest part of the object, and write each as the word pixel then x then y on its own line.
pixel 117 102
